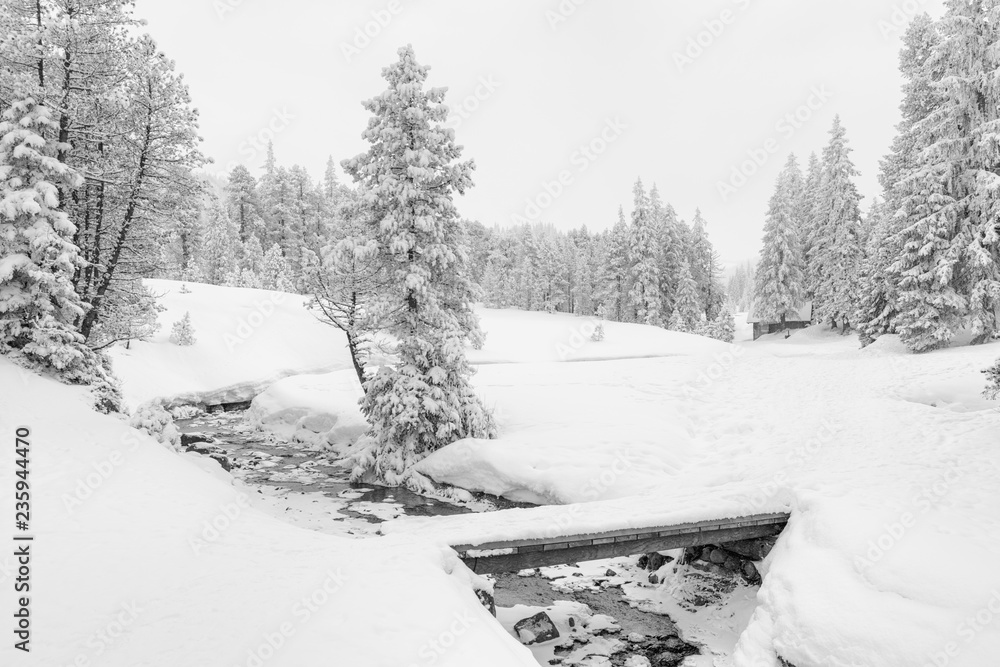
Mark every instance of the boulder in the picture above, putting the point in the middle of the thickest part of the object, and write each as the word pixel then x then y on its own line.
pixel 223 461
pixel 188 439
pixel 536 629
pixel 755 549
pixel 486 599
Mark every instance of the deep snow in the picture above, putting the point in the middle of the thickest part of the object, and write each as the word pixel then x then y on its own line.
pixel 889 463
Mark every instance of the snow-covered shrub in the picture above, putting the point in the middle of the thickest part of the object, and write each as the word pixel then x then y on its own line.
pixel 992 381
pixel 154 419
pixel 182 332
pixel 598 334
pixel 184 411
pixel 723 327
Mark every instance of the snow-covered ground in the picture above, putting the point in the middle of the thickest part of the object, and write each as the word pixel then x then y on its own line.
pixel 245 339
pixel 889 462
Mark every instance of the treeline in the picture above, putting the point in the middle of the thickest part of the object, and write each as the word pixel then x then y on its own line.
pixel 263 233
pixel 651 268
pixel 925 261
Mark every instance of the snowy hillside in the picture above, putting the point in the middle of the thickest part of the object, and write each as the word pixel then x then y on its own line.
pixel 245 339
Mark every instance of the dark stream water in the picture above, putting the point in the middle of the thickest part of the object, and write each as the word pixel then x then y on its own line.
pixel 258 459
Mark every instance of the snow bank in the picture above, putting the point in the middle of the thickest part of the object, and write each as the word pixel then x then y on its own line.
pixel 245 340
pixel 321 409
pixel 142 558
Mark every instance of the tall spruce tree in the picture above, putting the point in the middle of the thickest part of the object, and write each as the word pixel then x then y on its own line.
pixel 837 243
pixel 645 299
pixel 889 221
pixel 423 399
pixel 779 290
pixel 947 268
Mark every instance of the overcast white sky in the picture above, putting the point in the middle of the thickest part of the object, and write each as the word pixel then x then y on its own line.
pixel 557 81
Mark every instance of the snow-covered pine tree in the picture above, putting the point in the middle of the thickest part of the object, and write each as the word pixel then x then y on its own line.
pixel 332 189
pixel 253 256
pixel 242 202
pixel 837 245
pixel 274 271
pixel 220 253
pixel 724 327
pixel 705 267
pixel 889 220
pixel 779 290
pixel 808 217
pixel 644 270
pixel 182 331
pixel 424 399
pixel 686 302
pixel 39 308
pixel 948 267
pixel 676 322
pixel 670 248
pixel 740 288
pixel 615 287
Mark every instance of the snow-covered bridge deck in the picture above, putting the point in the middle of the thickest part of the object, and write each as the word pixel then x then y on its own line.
pixel 514 555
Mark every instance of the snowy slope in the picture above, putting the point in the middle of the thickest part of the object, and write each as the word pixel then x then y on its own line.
pixel 245 340
pixel 128 569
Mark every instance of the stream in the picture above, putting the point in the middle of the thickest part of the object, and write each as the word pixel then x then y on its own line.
pixel 312 489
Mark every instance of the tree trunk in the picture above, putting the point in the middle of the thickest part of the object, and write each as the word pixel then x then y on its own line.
pixel 90 319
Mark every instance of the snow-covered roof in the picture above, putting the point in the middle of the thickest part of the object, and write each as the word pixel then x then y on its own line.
pixel 804 314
